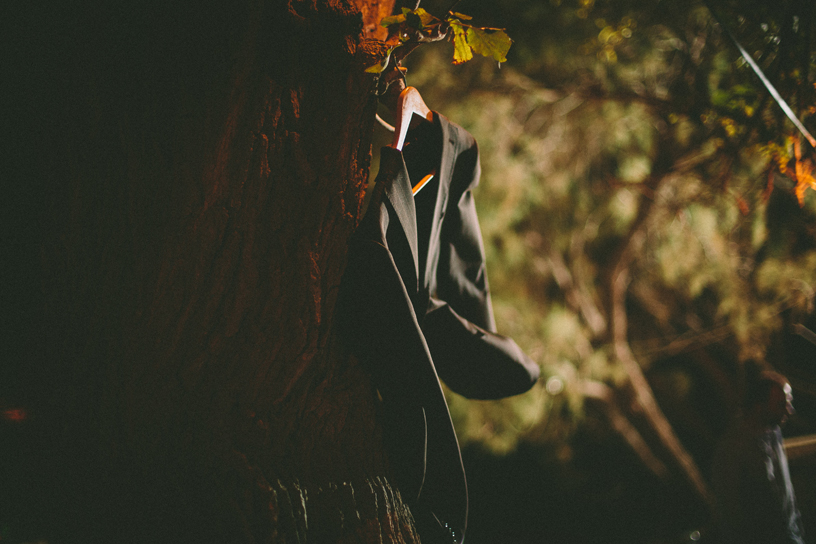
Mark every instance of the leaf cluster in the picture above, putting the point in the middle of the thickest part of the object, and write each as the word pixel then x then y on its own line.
pixel 781 39
pixel 413 27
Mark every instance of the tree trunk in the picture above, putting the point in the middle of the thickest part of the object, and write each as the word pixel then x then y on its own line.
pixel 184 183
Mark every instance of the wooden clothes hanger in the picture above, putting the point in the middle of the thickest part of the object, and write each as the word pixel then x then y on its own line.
pixel 409 103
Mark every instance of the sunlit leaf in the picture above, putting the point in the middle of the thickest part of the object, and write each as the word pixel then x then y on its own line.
pixel 424 16
pixel 804 173
pixel 380 66
pixel 461 16
pixel 461 50
pixel 490 43
pixel 392 20
pixel 804 179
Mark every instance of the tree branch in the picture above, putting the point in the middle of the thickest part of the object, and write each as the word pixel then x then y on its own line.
pixel 604 397
pixel 618 287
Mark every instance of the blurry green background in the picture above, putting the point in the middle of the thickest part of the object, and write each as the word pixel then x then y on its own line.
pixel 645 246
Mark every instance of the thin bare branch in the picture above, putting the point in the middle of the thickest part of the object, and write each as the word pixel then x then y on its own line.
pixel 604 397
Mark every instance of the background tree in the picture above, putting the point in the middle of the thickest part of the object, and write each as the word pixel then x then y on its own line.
pixel 639 203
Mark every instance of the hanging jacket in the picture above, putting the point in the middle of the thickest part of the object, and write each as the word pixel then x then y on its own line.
pixel 415 307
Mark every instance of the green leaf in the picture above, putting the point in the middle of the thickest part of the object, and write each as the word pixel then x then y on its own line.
pixel 461 16
pixel 393 20
pixel 424 16
pixel 376 68
pixel 491 43
pixel 417 19
pixel 720 97
pixel 461 49
pixel 380 66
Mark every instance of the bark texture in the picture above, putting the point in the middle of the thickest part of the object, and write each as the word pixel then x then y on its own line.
pixel 184 182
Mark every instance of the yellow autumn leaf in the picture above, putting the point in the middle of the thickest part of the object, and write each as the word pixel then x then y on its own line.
pixel 804 174
pixel 461 50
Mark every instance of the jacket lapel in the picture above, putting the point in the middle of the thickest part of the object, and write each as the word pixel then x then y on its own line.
pixel 399 195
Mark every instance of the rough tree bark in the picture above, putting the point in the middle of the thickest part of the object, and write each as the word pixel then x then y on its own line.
pixel 184 182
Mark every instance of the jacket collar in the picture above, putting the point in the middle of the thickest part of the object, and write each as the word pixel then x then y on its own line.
pixel 399 195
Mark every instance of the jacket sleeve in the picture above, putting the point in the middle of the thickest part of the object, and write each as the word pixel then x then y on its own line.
pixel 462 273
pixel 469 356
pixel 474 362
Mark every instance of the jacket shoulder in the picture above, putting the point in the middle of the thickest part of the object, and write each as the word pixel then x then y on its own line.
pixel 456 134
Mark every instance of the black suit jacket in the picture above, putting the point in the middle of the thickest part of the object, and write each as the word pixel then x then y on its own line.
pixel 415 307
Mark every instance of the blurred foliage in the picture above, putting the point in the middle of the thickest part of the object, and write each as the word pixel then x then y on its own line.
pixel 633 119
